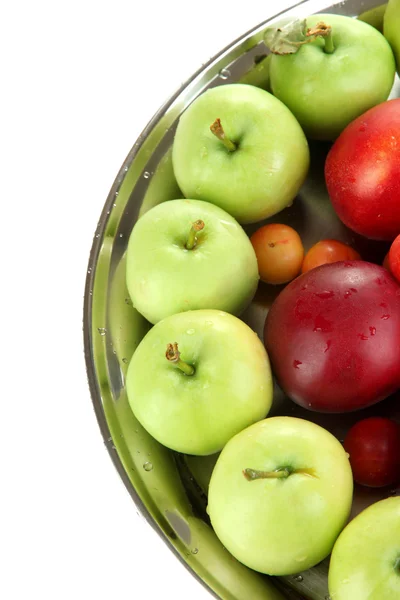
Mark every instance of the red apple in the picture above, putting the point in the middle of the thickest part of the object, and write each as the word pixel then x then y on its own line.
pixel 333 336
pixel 374 448
pixel 362 173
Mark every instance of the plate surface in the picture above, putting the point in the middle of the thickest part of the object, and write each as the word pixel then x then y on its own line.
pixel 169 489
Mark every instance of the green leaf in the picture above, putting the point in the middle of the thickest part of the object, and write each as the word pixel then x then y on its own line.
pixel 288 38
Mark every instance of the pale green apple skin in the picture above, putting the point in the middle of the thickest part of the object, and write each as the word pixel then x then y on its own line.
pixel 391 28
pixel 263 175
pixel 164 278
pixel 281 526
pixel 230 389
pixel 362 565
pixel 325 91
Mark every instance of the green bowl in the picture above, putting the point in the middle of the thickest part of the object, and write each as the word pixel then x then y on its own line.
pixel 170 489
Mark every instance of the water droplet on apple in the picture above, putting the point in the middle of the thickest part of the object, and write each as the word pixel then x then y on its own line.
pixel 224 73
pixel 125 360
pixel 209 323
pixel 385 317
pixel 190 331
pixel 348 455
pixel 195 550
pixel 102 330
pixel 327 597
pixel 325 295
pixel 346 581
pixel 322 324
pixel 148 466
pixel 298 578
pixel 146 175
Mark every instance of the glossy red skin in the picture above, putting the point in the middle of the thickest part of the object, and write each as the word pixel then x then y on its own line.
pixel 394 258
pixel 333 336
pixel 374 448
pixel 362 173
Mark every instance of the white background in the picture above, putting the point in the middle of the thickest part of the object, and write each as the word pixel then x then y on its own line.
pixel 80 80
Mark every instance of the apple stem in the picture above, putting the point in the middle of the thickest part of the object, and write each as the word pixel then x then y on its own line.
pixel 253 474
pixel 174 356
pixel 194 230
pixel 329 47
pixel 325 31
pixel 283 473
pixel 217 129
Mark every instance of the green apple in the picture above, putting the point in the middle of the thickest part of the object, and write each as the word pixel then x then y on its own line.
pixel 280 494
pixel 374 16
pixel 197 379
pixel 240 148
pixel 391 28
pixel 365 561
pixel 188 255
pixel 329 70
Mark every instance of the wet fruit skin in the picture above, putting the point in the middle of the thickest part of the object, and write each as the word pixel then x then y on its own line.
pixel 333 337
pixel 362 173
pixel 328 251
pixel 279 252
pixel 374 448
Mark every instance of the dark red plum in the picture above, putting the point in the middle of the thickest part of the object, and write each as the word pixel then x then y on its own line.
pixel 333 337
